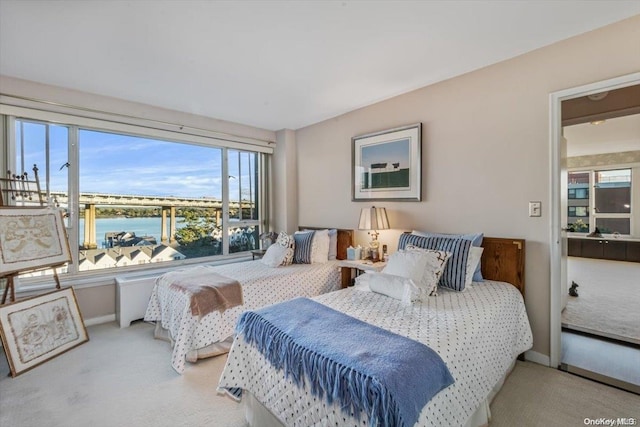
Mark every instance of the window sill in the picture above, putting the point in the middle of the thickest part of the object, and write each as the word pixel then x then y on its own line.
pixel 106 277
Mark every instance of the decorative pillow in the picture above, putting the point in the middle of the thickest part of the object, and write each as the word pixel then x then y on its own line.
pixel 473 262
pixel 409 264
pixel 317 252
pixel 320 247
pixel 436 263
pixel 289 243
pixel 396 287
pixel 476 240
pixel 302 250
pixel 333 244
pixel 274 256
pixel 361 282
pixel 454 275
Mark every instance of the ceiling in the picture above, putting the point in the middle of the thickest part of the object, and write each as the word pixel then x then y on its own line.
pixel 276 64
pixel 611 136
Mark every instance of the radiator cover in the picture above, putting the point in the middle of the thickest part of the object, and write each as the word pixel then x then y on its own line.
pixel 132 297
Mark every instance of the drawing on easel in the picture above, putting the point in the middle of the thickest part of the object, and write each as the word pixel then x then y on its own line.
pixel 32 238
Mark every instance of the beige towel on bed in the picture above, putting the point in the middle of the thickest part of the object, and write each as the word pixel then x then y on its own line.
pixel 209 291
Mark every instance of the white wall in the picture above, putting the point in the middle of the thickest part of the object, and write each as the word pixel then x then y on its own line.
pixel 285 182
pixel 485 151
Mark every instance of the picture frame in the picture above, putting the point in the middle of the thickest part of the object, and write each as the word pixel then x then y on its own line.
pixel 32 239
pixel 387 165
pixel 37 329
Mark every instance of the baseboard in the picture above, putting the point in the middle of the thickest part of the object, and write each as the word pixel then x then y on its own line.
pixel 614 382
pixel 100 320
pixel 618 339
pixel 535 357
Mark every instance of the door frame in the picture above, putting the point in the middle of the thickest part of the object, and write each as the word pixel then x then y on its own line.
pixel 557 232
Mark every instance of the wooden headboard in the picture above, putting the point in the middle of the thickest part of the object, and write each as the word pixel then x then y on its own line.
pixel 503 260
pixel 345 239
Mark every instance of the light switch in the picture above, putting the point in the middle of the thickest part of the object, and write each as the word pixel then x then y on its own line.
pixel 535 208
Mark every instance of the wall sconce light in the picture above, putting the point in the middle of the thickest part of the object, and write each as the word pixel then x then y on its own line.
pixel 373 219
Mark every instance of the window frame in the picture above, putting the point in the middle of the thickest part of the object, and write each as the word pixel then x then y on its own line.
pixel 10 114
pixel 593 215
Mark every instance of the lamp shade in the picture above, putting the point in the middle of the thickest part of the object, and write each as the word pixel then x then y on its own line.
pixel 373 219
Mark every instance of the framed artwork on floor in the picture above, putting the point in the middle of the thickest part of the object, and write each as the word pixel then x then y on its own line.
pixel 386 165
pixel 38 329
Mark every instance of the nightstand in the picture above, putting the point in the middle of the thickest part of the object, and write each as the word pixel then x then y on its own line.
pixel 347 266
pixel 258 253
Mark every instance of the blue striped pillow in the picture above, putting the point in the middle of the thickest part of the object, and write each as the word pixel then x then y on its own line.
pixel 476 240
pixel 455 272
pixel 302 251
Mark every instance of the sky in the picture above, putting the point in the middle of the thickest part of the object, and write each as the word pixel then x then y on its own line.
pixel 123 164
pixel 387 152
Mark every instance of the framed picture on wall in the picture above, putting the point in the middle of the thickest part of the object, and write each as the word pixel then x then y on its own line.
pixel 386 165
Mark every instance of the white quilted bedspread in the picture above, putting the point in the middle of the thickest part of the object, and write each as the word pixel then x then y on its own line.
pixel 478 333
pixel 261 285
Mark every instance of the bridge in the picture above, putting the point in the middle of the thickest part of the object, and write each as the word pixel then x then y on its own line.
pixel 168 204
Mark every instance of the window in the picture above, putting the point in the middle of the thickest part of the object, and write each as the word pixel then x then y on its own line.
pixel 578 209
pixel 612 205
pixel 608 208
pixel 244 204
pixel 133 200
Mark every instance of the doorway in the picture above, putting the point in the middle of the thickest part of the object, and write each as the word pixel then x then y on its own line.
pixel 575 343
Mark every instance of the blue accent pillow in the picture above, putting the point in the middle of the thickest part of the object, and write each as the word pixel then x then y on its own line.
pixel 476 240
pixel 302 250
pixel 455 271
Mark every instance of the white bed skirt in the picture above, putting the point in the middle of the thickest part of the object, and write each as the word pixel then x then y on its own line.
pixel 212 350
pixel 257 415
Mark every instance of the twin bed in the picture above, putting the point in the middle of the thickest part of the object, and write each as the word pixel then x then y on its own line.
pixel 195 336
pixel 478 333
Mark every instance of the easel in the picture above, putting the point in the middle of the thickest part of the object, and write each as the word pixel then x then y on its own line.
pixel 9 289
pixel 19 189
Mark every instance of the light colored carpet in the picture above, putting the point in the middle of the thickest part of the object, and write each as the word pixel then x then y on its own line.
pixel 608 301
pixel 123 377
pixel 537 396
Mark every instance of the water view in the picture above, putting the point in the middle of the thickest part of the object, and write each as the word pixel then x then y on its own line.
pixel 147 226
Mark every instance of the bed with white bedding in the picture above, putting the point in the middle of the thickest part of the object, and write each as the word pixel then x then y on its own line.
pixel 194 337
pixel 478 333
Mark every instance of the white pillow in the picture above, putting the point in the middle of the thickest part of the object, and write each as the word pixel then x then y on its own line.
pixel 428 272
pixel 396 287
pixel 274 256
pixel 409 264
pixel 475 253
pixel 362 281
pixel 320 247
pixel 333 244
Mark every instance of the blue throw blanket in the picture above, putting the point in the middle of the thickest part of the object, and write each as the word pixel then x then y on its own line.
pixel 364 367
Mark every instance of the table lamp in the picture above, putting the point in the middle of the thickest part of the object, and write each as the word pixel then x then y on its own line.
pixel 373 219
